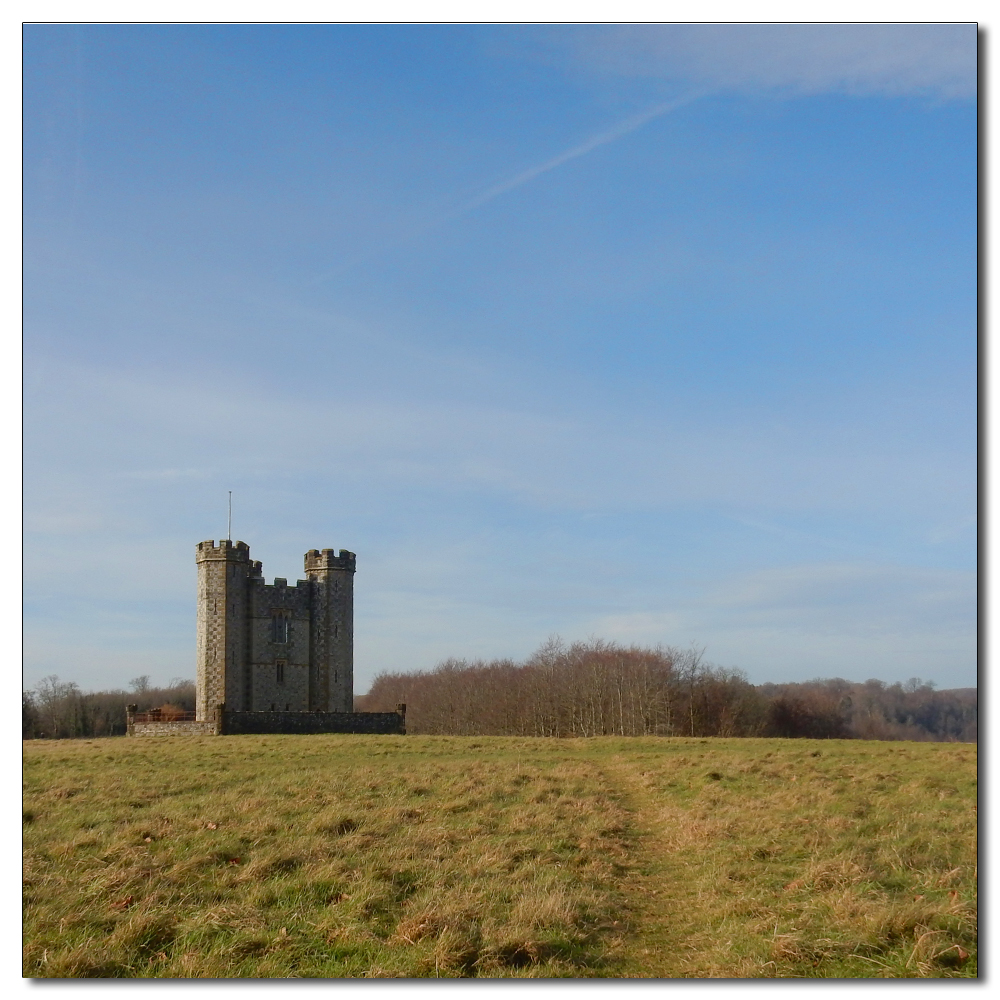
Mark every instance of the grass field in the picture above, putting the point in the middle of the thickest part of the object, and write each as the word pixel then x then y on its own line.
pixel 332 856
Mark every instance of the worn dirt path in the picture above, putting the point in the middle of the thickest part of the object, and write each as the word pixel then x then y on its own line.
pixel 665 913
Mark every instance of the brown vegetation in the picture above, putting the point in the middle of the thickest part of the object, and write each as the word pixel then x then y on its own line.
pixel 600 688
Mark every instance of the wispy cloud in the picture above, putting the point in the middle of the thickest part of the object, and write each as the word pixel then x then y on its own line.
pixel 428 581
pixel 601 139
pixel 163 473
pixel 522 453
pixel 855 620
pixel 936 60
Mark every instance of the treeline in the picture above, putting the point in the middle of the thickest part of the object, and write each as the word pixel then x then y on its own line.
pixel 600 688
pixel 586 689
pixel 591 688
pixel 56 709
pixel 872 710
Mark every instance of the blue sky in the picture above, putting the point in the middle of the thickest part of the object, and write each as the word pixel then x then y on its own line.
pixel 658 334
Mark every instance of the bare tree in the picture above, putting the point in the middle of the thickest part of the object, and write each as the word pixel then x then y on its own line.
pixel 597 688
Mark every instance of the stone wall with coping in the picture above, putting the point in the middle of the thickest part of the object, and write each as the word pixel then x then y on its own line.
pixel 173 729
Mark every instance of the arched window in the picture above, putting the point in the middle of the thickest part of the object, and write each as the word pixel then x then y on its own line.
pixel 280 622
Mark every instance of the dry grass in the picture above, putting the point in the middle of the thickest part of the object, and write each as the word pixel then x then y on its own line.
pixel 810 858
pixel 335 856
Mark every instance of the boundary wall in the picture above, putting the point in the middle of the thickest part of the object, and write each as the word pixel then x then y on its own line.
pixel 228 723
pixel 312 722
pixel 172 729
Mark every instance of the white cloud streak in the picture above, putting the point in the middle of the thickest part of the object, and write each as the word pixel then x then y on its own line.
pixel 602 139
pixel 935 60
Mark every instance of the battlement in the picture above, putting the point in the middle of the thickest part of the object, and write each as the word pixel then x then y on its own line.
pixel 316 561
pixel 227 550
pixel 280 583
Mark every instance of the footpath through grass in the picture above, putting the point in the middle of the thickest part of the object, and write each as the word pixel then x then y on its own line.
pixel 331 856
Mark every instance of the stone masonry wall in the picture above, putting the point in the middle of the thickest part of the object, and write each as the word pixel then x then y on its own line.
pixel 172 729
pixel 341 665
pixel 312 722
pixel 222 675
pixel 211 640
pixel 292 692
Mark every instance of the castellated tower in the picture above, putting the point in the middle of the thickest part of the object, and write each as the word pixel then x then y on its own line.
pixel 274 648
pixel 331 679
pixel 223 576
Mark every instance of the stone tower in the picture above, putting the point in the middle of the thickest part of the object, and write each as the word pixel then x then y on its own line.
pixel 274 648
pixel 331 679
pixel 223 577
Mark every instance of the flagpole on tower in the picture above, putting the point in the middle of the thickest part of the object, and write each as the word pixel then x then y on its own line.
pixel 230 535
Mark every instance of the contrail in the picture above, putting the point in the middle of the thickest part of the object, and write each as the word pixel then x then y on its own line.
pixel 623 128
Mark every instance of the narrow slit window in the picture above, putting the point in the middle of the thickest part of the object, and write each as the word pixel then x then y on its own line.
pixel 279 671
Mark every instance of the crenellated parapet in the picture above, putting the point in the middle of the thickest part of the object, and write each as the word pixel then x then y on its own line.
pixel 227 550
pixel 317 561
pixel 280 584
